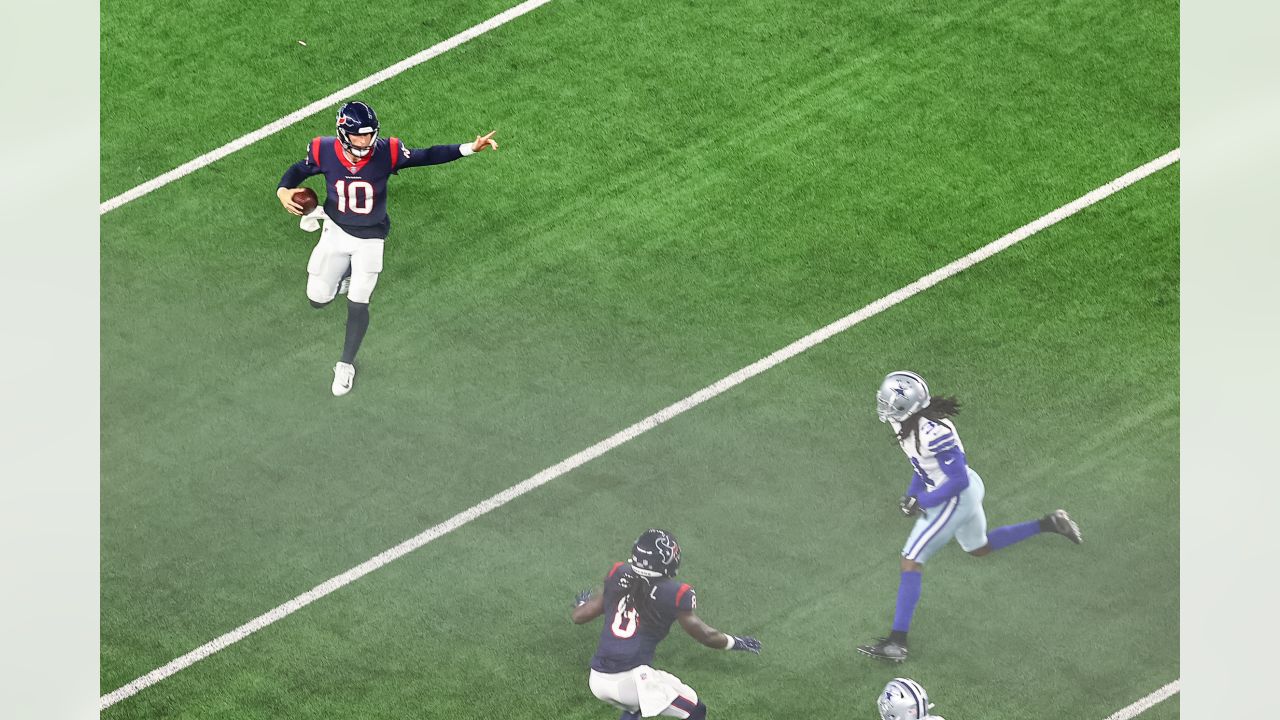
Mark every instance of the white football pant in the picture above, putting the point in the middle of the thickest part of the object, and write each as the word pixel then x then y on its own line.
pixel 961 517
pixel 333 254
pixel 652 692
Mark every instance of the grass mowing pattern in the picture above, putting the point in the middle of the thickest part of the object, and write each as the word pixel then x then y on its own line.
pixel 681 190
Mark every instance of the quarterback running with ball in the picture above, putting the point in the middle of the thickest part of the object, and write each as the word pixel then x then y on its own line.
pixel 945 496
pixel 348 257
pixel 640 602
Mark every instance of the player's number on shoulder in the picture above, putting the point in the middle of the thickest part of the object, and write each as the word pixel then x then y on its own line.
pixel 355 196
pixel 625 621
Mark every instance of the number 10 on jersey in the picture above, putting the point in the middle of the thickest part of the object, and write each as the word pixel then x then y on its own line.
pixel 355 196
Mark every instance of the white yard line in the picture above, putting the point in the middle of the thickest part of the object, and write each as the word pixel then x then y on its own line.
pixel 638 429
pixel 1148 702
pixel 325 103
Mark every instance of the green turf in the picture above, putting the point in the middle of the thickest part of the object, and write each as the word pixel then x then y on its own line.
pixel 681 190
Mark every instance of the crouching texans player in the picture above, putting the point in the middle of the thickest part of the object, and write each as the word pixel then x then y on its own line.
pixel 348 257
pixel 642 601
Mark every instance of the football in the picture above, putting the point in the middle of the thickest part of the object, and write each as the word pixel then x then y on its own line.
pixel 306 197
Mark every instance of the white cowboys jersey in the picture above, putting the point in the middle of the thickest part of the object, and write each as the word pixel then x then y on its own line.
pixel 923 446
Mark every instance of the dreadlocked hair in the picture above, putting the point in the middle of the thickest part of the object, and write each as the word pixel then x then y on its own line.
pixel 940 408
pixel 638 591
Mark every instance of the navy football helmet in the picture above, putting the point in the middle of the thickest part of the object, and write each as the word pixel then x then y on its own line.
pixel 655 554
pixel 356 118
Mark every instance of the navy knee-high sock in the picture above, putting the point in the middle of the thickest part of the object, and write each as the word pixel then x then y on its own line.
pixel 357 324
pixel 908 595
pixel 1009 534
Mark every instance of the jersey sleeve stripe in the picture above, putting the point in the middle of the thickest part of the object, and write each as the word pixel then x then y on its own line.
pixel 614 569
pixel 684 588
pixel 315 151
pixel 395 152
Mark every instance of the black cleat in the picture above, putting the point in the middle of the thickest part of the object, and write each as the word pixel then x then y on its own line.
pixel 885 649
pixel 1060 522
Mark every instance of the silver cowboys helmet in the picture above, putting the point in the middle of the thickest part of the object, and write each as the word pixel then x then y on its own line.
pixel 903 699
pixel 901 395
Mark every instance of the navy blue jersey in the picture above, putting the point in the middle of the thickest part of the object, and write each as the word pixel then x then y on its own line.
pixel 356 192
pixel 628 640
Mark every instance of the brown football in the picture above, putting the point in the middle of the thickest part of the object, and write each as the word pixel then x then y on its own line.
pixel 306 197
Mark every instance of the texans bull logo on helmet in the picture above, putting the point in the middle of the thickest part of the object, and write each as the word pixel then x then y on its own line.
pixel 656 553
pixel 667 548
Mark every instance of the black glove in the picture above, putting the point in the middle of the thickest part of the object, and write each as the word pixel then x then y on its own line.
pixel 582 598
pixel 749 644
pixel 909 505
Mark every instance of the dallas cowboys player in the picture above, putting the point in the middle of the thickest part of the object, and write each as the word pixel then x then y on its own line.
pixel 945 492
pixel 905 699
pixel 643 601
pixel 348 257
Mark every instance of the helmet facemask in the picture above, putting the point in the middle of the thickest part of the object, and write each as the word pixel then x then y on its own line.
pixel 357 152
pixel 356 118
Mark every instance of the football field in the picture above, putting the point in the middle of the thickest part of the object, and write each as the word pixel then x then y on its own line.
pixel 682 189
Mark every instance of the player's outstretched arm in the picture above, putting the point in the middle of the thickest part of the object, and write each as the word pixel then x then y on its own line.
pixel 439 154
pixel 712 637
pixel 587 607
pixel 484 141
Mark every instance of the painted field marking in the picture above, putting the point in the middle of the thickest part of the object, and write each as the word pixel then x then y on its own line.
pixel 325 103
pixel 1148 702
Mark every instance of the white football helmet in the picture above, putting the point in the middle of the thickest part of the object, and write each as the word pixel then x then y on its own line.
pixel 901 395
pixel 903 699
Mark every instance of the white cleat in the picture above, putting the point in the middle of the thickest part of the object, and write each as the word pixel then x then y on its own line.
pixel 344 375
